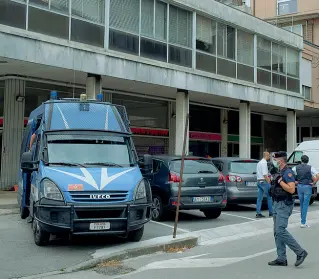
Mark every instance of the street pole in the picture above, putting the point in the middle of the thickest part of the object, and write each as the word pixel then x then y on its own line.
pixel 181 176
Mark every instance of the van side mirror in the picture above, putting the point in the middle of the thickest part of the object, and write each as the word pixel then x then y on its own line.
pixel 146 164
pixel 27 164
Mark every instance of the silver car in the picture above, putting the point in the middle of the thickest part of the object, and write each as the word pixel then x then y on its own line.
pixel 241 179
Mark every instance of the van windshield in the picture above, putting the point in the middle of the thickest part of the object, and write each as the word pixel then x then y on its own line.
pixel 89 150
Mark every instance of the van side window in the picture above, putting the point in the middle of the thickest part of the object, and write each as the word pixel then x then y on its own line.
pixel 157 165
pixel 25 141
pixel 37 148
pixel 295 157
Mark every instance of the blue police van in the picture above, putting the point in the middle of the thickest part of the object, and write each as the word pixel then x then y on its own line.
pixel 81 174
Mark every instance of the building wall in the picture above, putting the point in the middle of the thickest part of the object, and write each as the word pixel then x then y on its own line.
pixel 311 53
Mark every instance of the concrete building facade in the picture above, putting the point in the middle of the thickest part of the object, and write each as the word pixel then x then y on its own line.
pixel 300 17
pixel 239 77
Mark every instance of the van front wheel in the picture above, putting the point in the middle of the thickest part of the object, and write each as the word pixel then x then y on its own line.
pixel 41 238
pixel 136 236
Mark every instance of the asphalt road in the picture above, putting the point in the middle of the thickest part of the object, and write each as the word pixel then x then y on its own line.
pixel 21 257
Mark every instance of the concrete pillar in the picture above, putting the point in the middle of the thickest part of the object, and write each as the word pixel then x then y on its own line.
pixel 244 130
pixel 172 127
pixel 224 132
pixel 291 130
pixel 93 85
pixel 182 108
pixel 13 127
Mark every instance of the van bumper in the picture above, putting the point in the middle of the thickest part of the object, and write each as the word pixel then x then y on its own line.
pixel 76 219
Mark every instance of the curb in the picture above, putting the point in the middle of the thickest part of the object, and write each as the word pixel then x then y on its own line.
pixel 8 211
pixel 122 255
pixel 135 252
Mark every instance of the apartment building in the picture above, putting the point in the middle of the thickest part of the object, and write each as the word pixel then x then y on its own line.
pixel 300 17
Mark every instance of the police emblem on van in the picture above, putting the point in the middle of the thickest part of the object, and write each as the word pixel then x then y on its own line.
pixel 100 197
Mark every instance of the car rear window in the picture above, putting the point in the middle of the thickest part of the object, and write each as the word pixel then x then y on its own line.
pixel 193 166
pixel 244 167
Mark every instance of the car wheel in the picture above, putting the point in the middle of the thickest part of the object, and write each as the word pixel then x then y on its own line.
pixel 41 237
pixel 157 210
pixel 24 212
pixel 136 236
pixel 311 201
pixel 212 213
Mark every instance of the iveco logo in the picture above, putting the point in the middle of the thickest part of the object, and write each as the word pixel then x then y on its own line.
pixel 100 197
pixel 201 179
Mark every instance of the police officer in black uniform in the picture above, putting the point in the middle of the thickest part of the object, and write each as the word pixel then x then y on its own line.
pixel 282 190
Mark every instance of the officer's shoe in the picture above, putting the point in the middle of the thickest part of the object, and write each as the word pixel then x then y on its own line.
pixel 301 258
pixel 278 263
pixel 258 216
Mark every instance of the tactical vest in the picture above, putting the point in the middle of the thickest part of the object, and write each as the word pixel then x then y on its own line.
pixel 276 191
pixel 304 174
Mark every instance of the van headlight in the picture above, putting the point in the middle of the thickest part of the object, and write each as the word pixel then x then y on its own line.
pixel 50 190
pixel 140 191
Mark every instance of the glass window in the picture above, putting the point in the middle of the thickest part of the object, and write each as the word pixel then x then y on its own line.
pixel 198 113
pixel 48 23
pixel 264 54
pixel 13 14
pixel 279 81
pixel 87 33
pixel 315 132
pixel 154 19
pixel 93 10
pixel 144 112
pixel 205 62
pixel 264 77
pixel 154 50
pixel 287 7
pixel 39 3
pixel 305 133
pixel 123 42
pixel 245 48
pixel 297 29
pixel 245 72
pixel 226 41
pixel 180 26
pixel 293 85
pixel 193 166
pixel 124 15
pixel 226 68
pixel 205 34
pixel 278 58
pixel 306 92
pixel 180 56
pixel 1 97
pixel 292 62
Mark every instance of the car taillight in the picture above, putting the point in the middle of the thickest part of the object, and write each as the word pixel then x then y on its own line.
pixel 233 178
pixel 221 178
pixel 173 178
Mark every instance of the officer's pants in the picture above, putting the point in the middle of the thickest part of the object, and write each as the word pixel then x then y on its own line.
pixel 282 211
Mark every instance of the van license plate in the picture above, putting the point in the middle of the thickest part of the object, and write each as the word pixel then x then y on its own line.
pixel 100 226
pixel 251 184
pixel 202 199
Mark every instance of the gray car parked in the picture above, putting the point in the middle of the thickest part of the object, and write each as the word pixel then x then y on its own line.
pixel 241 179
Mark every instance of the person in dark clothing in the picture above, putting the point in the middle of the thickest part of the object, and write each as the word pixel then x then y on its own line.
pixel 306 176
pixel 281 191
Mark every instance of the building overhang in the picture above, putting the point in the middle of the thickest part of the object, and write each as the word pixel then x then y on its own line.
pixel 50 58
pixel 285 19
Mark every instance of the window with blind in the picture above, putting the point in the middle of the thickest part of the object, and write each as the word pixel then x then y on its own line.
pixel 180 36
pixel 226 44
pixel 154 29
pixel 87 23
pixel 306 92
pixel 124 26
pixel 60 6
pixel 206 44
pixel 264 61
pixel 91 10
pixel 245 56
pixel 279 68
pixel 293 65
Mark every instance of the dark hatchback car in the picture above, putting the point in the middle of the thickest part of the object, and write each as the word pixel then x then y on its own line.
pixel 241 179
pixel 203 186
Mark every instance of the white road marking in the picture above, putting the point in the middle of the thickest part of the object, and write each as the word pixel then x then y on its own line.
pixel 169 226
pixel 238 216
pixel 194 262
pixel 296 211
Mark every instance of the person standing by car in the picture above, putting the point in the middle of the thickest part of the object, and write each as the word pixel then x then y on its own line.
pixel 263 184
pixel 282 190
pixel 306 176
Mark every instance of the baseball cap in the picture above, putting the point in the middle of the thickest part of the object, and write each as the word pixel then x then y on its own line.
pixel 279 154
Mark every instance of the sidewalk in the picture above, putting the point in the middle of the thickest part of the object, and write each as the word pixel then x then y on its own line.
pixel 8 202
